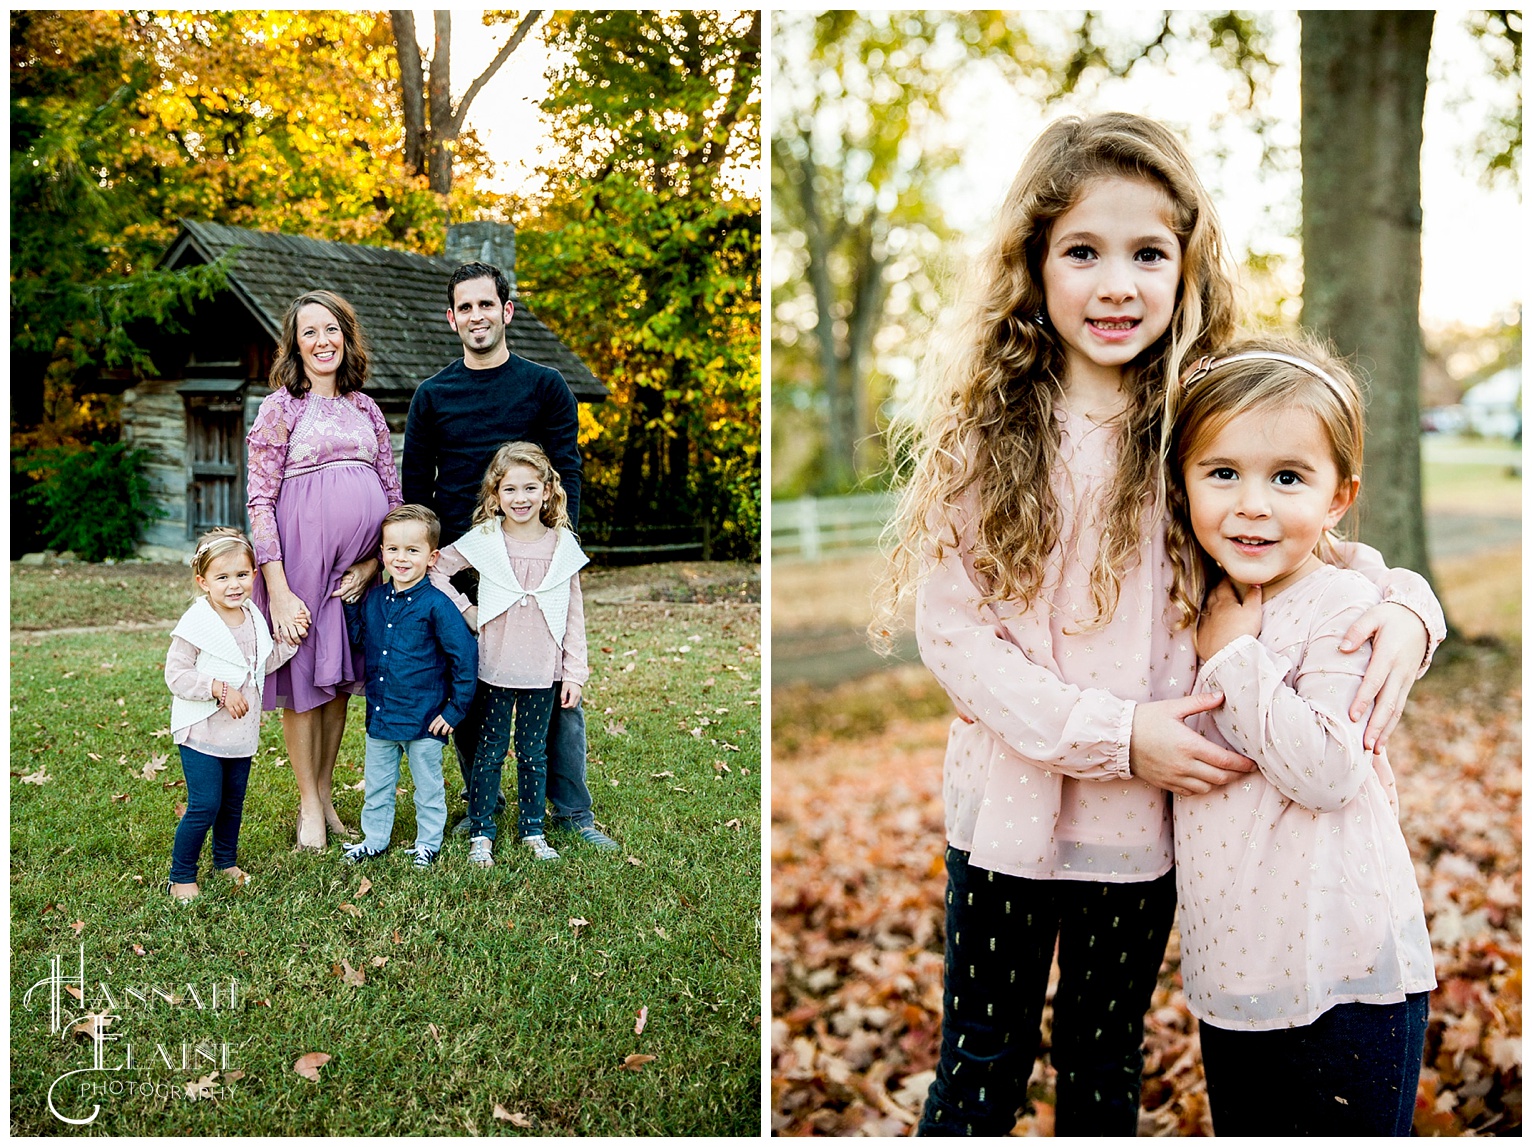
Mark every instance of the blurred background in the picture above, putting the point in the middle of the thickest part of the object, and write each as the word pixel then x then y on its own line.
pixel 894 136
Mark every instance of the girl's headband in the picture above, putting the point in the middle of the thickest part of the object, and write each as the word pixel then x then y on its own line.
pixel 1207 362
pixel 211 542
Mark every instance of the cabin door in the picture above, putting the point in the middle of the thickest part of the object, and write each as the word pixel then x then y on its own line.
pixel 215 449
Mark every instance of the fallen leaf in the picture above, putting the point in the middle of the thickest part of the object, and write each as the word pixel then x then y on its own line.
pixel 363 888
pixel 230 1077
pixel 202 1088
pixel 139 948
pixel 379 961
pixel 154 765
pixel 514 1118
pixel 734 823
pixel 180 809
pixel 353 976
pixel 436 1035
pixel 356 788
pixel 721 767
pixel 634 860
pixel 308 1065
pixel 122 797
pixel 93 1024
pixel 40 777
pixel 94 756
pixel 398 939
pixel 616 729
pixel 643 1018
pixel 351 910
pixel 160 733
pixel 74 991
pixel 634 1062
pixel 666 773
pixel 78 926
pixel 661 933
pixel 171 784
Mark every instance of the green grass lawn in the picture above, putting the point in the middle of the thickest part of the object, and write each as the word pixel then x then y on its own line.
pixel 500 1000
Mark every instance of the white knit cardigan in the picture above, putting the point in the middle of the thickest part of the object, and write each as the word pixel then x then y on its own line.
pixel 484 548
pixel 218 656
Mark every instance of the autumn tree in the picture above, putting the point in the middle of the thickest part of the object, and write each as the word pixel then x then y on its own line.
pixel 123 122
pixel 432 125
pixel 646 257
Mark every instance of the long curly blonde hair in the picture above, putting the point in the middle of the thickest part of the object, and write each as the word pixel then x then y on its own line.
pixel 983 426
pixel 1217 392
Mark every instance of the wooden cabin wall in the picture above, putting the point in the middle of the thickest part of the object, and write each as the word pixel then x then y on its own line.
pixel 154 419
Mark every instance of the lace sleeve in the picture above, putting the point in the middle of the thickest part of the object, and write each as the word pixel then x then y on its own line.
pixel 267 442
pixel 388 473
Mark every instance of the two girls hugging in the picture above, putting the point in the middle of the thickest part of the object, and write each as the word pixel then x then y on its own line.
pixel 530 625
pixel 1118 528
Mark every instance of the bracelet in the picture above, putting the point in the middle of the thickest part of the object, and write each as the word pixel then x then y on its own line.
pixel 223 697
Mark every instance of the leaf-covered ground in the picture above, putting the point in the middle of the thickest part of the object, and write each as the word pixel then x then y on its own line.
pixel 857 883
pixel 607 994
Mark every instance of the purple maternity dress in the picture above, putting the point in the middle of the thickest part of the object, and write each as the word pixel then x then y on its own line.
pixel 321 478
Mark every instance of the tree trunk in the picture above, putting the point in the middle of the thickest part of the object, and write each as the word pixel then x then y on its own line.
pixel 443 125
pixel 1364 87
pixel 412 88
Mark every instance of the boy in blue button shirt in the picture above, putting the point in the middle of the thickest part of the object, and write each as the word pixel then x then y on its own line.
pixel 422 669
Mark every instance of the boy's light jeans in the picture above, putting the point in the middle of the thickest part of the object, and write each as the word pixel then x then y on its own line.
pixel 382 776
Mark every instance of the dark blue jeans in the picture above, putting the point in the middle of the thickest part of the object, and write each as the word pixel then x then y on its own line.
pixel 568 792
pixel 1001 932
pixel 215 798
pixel 1353 1071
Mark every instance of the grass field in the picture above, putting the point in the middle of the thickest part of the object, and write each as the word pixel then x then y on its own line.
pixel 451 1001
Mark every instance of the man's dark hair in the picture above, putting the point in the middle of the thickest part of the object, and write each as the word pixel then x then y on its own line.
pixel 469 271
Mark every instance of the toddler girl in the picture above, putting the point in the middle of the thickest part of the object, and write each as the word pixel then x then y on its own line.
pixel 220 653
pixel 1303 938
pixel 531 625
pixel 1031 524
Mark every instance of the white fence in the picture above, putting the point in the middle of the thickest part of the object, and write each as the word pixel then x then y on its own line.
pixel 811 528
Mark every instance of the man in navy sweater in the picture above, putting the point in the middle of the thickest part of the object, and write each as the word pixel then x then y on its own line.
pixel 458 418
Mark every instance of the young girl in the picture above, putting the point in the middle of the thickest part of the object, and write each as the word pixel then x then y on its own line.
pixel 220 653
pixel 531 626
pixel 1031 525
pixel 1303 938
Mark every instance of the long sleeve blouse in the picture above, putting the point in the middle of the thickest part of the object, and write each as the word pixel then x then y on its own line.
pixel 516 648
pixel 221 734
pixel 293 436
pixel 1036 778
pixel 1296 888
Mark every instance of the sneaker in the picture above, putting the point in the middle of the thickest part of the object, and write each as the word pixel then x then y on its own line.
pixel 593 836
pixel 424 857
pixel 479 852
pixel 461 827
pixel 357 853
pixel 541 849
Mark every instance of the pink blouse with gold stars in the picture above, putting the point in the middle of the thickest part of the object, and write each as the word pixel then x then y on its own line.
pixel 1295 884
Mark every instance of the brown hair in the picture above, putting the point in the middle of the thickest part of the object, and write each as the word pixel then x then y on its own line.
pixel 983 428
pixel 1217 391
pixel 214 544
pixel 414 512
pixel 555 507
pixel 287 368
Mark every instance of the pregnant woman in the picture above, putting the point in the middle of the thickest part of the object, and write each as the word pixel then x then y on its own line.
pixel 321 478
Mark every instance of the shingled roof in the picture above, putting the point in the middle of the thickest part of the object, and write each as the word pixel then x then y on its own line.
pixel 399 296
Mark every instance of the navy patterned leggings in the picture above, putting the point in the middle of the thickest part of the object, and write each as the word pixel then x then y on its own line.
pixel 1001 932
pixel 495 710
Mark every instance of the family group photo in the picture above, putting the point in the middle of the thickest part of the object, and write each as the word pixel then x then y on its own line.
pixel 1145 553
pixel 385 576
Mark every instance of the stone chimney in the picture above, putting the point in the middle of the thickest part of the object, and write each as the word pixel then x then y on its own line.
pixel 484 242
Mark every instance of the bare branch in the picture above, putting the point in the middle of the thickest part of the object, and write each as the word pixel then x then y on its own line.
pixel 489 73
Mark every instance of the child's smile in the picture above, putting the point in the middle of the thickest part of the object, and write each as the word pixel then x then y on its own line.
pixel 522 495
pixel 227 581
pixel 1262 492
